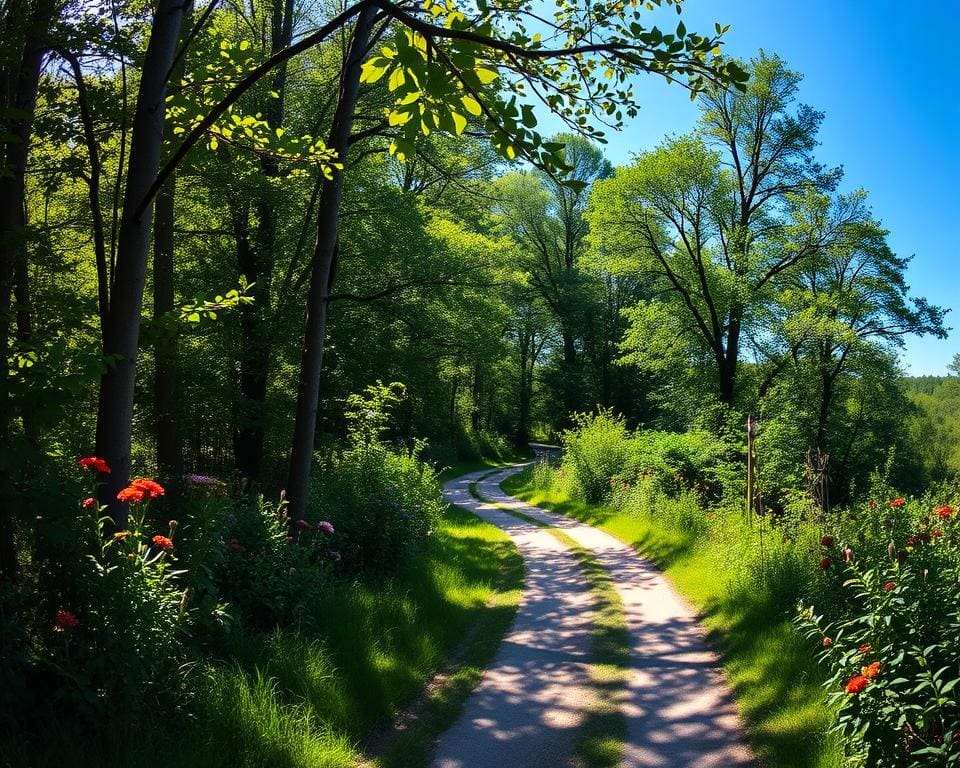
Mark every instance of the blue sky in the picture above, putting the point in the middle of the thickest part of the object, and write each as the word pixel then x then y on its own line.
pixel 886 77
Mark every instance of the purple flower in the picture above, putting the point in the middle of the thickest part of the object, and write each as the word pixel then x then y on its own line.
pixel 326 527
pixel 202 480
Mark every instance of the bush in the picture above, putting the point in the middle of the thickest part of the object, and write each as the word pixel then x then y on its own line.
pixel 597 449
pixel 383 503
pixel 889 636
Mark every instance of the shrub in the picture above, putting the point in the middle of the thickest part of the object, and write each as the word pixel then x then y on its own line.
pixel 383 502
pixel 890 640
pixel 597 449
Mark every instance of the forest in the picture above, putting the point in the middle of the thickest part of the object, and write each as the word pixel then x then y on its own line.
pixel 273 272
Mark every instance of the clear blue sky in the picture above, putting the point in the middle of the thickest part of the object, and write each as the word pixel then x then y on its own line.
pixel 887 78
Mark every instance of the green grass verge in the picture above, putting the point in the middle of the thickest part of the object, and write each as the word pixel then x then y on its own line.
pixel 774 676
pixel 309 698
pixel 603 734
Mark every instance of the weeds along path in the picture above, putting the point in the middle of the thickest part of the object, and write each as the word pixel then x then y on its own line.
pixel 532 701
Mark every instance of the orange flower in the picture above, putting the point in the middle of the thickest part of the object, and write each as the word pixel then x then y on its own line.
pixel 827 642
pixel 162 542
pixel 898 502
pixel 871 671
pixel 131 494
pixel 864 649
pixel 95 463
pixel 150 488
pixel 856 684
pixel 943 511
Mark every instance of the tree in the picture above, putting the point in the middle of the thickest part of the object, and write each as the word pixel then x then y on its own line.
pixel 546 219
pixel 702 215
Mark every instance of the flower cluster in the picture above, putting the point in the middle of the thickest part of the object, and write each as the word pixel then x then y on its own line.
pixel 139 490
pixel 95 464
pixel 64 621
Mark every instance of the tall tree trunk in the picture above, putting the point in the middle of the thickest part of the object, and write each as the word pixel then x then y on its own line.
pixel 21 78
pixel 308 393
pixel 169 457
pixel 571 383
pixel 256 261
pixel 823 416
pixel 730 358
pixel 122 334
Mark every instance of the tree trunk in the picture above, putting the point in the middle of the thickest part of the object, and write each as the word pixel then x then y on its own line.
pixel 308 394
pixel 571 384
pixel 731 357
pixel 256 261
pixel 21 76
pixel 169 457
pixel 826 400
pixel 122 334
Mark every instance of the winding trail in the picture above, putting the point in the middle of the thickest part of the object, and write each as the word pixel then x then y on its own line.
pixel 526 711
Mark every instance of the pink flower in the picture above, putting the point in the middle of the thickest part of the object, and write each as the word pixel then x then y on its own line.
pixel 303 525
pixel 89 502
pixel 326 527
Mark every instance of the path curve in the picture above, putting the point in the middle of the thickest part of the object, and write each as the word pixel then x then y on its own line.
pixel 526 709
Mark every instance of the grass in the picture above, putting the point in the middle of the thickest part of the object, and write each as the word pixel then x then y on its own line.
pixel 774 676
pixel 603 733
pixel 310 697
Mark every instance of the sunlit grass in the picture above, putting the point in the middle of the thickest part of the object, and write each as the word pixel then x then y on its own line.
pixel 774 676
pixel 310 697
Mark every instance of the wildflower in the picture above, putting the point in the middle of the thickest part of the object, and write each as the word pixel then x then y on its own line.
pixel 131 494
pixel 172 524
pixel 847 554
pixel 898 503
pixel 873 505
pixel 890 585
pixel 89 502
pixel 827 642
pixel 326 527
pixel 151 489
pixel 65 620
pixel 120 535
pixel 827 541
pixel 871 670
pixel 944 512
pixel 864 649
pixel 912 541
pixel 826 563
pixel 937 534
pixel 95 463
pixel 856 684
pixel 162 542
pixel 201 480
pixel 303 525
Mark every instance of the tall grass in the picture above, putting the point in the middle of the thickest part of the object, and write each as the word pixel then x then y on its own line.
pixel 746 601
pixel 310 697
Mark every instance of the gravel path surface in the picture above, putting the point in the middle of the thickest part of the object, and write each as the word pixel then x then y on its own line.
pixel 526 710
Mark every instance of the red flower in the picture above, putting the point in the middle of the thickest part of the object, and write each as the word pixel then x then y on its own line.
pixel 937 534
pixel 151 489
pixel 303 525
pixel 131 494
pixel 864 649
pixel 162 542
pixel 873 505
pixel 889 585
pixel 856 684
pixel 827 642
pixel 827 541
pixel 871 670
pixel 826 563
pixel 95 463
pixel 943 511
pixel 898 502
pixel 65 620
pixel 89 502
pixel 912 541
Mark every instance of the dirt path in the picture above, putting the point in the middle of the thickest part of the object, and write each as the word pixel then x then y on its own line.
pixel 526 710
